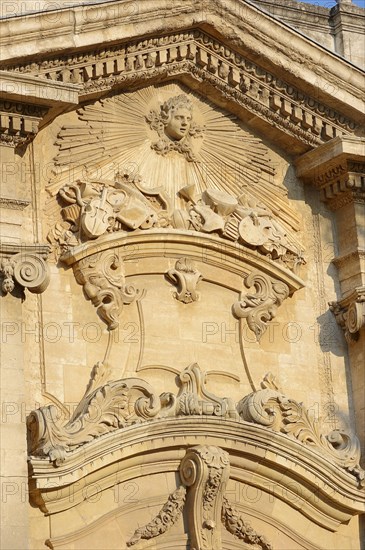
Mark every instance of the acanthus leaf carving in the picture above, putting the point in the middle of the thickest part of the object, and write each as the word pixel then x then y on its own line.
pixel 260 308
pixel 107 408
pixel 103 281
pixel 186 277
pixel 115 405
pixel 240 528
pixel 271 408
pixel 167 516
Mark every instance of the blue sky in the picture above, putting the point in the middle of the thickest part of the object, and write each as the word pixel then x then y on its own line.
pixel 330 4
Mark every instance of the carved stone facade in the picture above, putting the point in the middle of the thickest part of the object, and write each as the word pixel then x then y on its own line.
pixel 182 206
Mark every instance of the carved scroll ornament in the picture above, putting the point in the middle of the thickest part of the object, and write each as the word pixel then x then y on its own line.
pixel 186 277
pixel 350 314
pixel 269 407
pixel 113 406
pixel 102 278
pixel 121 403
pixel 29 270
pixel 260 308
pixel 204 473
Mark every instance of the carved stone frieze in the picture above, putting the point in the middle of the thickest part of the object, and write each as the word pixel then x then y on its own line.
pixel 261 307
pixel 269 407
pixel 206 59
pixel 94 208
pixel 186 277
pixel 24 265
pixel 103 281
pixel 350 314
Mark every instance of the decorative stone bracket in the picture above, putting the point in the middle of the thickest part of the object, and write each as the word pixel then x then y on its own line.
pixel 25 101
pixel 260 308
pixel 337 169
pixel 350 314
pixel 204 472
pixel 24 265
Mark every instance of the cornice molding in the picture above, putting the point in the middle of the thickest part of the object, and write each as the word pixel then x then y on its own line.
pixel 205 61
pixel 87 25
pixel 13 204
pixel 25 100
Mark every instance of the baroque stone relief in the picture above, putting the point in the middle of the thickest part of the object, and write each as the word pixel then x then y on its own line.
pixel 204 472
pixel 123 403
pixel 168 160
pixel 203 59
pixel 24 265
pixel 186 277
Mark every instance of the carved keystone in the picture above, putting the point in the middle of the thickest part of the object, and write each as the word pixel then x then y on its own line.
pixel 205 471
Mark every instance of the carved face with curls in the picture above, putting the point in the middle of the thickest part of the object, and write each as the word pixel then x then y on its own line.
pixel 176 116
pixel 175 126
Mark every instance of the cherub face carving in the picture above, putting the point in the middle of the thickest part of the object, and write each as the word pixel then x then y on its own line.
pixel 175 126
pixel 179 124
pixel 176 116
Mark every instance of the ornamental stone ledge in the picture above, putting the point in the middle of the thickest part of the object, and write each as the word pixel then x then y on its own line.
pixel 26 101
pixel 86 26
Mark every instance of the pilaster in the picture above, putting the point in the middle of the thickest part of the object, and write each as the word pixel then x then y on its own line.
pixel 25 104
pixel 337 170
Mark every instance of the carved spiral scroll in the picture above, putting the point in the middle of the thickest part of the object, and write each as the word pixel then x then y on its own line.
pixel 28 270
pixel 31 272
